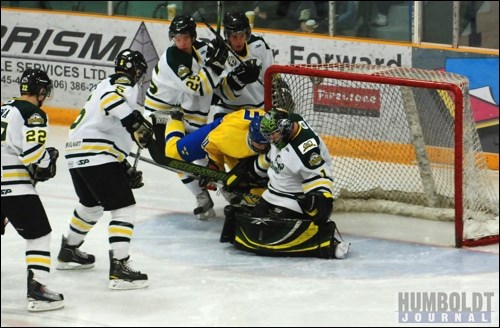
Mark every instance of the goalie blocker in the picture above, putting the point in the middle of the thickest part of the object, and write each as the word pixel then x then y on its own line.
pixel 277 236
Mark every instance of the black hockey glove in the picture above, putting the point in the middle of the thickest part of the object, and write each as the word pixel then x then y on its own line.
pixel 243 176
pixel 140 130
pixel 317 206
pixel 217 55
pixel 244 74
pixel 45 173
pixel 134 176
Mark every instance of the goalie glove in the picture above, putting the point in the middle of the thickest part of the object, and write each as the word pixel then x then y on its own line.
pixel 134 176
pixel 38 173
pixel 317 205
pixel 139 128
pixel 217 55
pixel 244 74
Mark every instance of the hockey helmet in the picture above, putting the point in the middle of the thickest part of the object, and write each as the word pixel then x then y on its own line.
pixel 33 81
pixel 131 63
pixel 236 22
pixel 255 137
pixel 276 127
pixel 182 24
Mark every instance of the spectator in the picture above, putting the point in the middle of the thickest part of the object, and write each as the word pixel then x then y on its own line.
pixel 382 11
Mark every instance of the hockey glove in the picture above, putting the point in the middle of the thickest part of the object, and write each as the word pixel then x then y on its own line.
pixel 38 173
pixel 317 205
pixel 134 176
pixel 217 55
pixel 139 128
pixel 244 74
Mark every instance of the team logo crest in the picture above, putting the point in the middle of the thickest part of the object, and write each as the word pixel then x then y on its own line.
pixel 123 80
pixel 231 60
pixel 183 71
pixel 36 119
pixel 315 159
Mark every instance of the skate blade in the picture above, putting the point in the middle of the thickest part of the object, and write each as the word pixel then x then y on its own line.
pixel 119 284
pixel 39 306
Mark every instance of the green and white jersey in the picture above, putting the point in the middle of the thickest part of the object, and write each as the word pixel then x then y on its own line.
pixel 25 129
pixel 302 166
pixel 182 80
pixel 97 135
pixel 252 95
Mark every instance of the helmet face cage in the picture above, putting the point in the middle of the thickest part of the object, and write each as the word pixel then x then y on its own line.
pixel 33 81
pixel 183 24
pixel 276 121
pixel 255 136
pixel 132 63
pixel 236 22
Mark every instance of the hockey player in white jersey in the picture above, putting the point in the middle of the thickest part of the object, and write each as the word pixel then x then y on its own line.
pixel 183 83
pixel 292 217
pixel 25 161
pixel 99 142
pixel 242 85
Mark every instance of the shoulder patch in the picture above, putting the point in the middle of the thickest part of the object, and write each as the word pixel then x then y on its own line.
pixel 315 159
pixel 35 119
pixel 183 71
pixel 305 146
pixel 123 80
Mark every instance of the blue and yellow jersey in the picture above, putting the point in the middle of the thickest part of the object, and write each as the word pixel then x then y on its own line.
pixel 224 141
pixel 228 142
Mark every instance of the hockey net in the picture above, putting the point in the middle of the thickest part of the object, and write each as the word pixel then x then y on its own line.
pixel 403 141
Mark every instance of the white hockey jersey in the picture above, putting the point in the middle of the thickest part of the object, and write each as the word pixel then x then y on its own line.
pixel 252 95
pixel 97 135
pixel 25 129
pixel 302 166
pixel 182 80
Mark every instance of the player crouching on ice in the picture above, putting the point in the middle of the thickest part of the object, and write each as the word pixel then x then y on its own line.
pixel 293 216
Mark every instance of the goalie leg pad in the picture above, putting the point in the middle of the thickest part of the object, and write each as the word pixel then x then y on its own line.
pixel 283 237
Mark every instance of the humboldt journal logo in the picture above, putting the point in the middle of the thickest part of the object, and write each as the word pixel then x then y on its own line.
pixel 441 307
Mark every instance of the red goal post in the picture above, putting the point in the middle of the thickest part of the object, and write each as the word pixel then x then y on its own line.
pixel 403 141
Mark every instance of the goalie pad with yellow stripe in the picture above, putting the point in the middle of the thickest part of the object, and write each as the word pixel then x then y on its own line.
pixel 278 236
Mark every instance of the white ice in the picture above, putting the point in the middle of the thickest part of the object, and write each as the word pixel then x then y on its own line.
pixel 197 281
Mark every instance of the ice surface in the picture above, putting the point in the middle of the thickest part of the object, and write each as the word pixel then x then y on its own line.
pixel 197 281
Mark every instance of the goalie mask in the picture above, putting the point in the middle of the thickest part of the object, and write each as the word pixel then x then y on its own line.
pixel 183 24
pixel 276 127
pixel 257 142
pixel 236 22
pixel 131 63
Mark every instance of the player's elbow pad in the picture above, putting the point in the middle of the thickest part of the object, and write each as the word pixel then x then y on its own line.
pixel 139 128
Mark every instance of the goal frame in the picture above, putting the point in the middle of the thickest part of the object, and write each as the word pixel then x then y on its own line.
pixel 458 126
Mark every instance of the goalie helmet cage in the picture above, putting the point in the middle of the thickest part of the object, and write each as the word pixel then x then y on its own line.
pixel 403 141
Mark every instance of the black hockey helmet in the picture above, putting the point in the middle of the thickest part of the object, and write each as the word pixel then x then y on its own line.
pixel 236 22
pixel 276 121
pixel 182 24
pixel 131 63
pixel 33 81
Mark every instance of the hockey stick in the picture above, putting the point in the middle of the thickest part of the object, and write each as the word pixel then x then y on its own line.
pixel 220 12
pixel 137 156
pixel 191 169
pixel 228 47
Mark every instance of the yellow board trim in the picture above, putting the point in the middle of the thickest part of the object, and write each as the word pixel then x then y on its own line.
pixel 393 152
